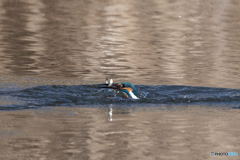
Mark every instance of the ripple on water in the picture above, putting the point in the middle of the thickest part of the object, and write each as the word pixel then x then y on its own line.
pixel 91 96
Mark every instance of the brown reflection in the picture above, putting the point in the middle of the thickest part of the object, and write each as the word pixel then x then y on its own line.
pixel 205 43
pixel 61 40
pixel 143 133
pixel 16 57
pixel 107 29
pixel 145 42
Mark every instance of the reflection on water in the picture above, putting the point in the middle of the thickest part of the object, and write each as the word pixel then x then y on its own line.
pixel 157 42
pixel 191 43
pixel 126 133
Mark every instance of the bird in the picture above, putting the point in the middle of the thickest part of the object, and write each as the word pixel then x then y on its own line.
pixel 127 88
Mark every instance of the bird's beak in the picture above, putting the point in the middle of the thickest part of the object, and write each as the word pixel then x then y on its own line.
pixel 103 86
pixel 108 84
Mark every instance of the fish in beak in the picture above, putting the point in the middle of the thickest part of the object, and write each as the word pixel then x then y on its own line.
pixel 128 88
pixel 110 84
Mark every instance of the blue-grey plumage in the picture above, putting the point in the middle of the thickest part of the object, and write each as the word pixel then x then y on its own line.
pixel 129 89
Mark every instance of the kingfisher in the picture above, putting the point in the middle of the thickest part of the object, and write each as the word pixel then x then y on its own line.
pixel 127 88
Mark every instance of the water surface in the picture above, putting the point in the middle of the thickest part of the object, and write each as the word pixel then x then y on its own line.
pixel 183 56
pixel 16 98
pixel 145 42
pixel 119 133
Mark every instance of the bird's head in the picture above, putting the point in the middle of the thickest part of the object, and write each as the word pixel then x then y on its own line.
pixel 126 87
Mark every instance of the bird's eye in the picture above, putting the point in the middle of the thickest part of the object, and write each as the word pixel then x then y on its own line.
pixel 124 85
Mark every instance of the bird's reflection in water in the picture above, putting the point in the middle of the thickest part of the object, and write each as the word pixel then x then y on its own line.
pixel 110 114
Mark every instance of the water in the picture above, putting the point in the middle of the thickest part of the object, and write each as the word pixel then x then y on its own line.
pixel 141 42
pixel 92 96
pixel 183 56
